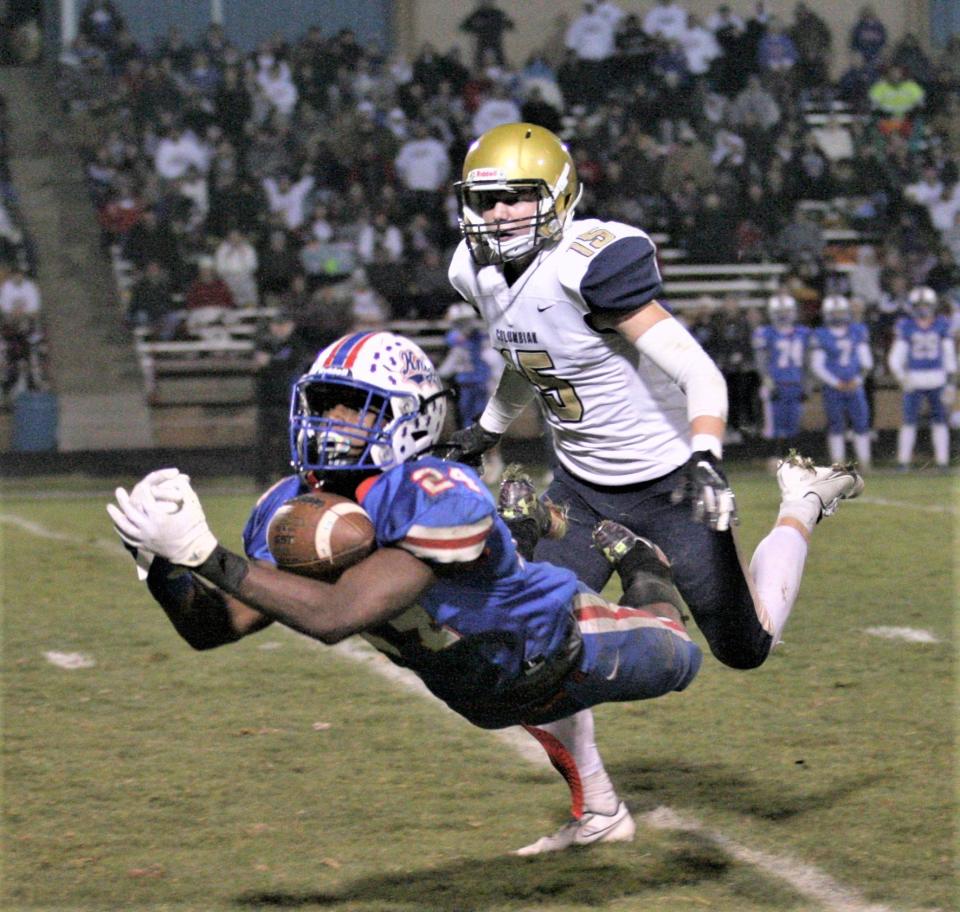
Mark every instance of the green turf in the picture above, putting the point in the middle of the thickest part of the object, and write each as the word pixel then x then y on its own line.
pixel 163 778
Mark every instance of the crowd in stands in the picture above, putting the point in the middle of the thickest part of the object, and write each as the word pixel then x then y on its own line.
pixel 23 361
pixel 315 175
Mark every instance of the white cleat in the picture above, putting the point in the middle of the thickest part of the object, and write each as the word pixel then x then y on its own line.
pixel 799 479
pixel 589 829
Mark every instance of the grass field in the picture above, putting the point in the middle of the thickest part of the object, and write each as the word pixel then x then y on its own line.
pixel 277 774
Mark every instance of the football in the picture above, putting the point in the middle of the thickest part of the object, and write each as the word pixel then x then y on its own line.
pixel 319 535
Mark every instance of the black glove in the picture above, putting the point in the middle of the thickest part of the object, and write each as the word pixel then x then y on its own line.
pixel 703 483
pixel 467 445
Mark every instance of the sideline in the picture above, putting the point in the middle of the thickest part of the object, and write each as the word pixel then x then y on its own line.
pixel 808 881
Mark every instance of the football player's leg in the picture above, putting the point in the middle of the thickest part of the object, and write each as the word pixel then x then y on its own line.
pixel 939 429
pixel 807 494
pixel 860 421
pixel 836 423
pixel 711 576
pixel 907 435
pixel 597 813
pixel 575 550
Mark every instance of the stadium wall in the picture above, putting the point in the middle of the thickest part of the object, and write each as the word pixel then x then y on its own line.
pixel 536 21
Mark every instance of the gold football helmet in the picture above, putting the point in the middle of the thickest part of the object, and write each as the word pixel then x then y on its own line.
pixel 513 163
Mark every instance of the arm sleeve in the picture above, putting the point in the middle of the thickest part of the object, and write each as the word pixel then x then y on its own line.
pixel 949 355
pixel 670 346
pixel 897 358
pixel 510 398
pixel 865 354
pixel 818 364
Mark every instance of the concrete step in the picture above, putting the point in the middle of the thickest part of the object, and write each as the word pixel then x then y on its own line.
pixel 93 365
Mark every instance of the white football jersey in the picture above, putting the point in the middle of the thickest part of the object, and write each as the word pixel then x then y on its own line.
pixel 616 417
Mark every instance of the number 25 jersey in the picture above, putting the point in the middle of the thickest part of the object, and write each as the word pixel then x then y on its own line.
pixel 616 417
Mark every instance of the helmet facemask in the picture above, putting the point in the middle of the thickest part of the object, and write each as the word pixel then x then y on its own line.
pixel 347 423
pixel 501 241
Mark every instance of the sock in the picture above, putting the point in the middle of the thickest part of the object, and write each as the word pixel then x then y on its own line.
pixel 906 438
pixel 578 761
pixel 940 435
pixel 777 568
pixel 861 446
pixel 836 447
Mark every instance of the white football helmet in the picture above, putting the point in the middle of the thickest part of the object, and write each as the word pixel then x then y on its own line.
pixel 393 386
pixel 782 309
pixel 922 302
pixel 836 310
pixel 515 162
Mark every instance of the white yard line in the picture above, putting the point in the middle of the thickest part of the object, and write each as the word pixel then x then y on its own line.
pixel 808 881
pixel 910 634
pixel 906 505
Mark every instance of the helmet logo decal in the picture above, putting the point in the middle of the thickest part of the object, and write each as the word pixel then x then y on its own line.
pixel 487 174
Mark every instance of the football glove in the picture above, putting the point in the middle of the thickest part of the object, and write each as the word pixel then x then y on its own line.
pixel 703 483
pixel 467 445
pixel 142 494
pixel 170 524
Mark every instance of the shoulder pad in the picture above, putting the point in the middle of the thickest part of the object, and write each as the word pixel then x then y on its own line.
pixel 581 243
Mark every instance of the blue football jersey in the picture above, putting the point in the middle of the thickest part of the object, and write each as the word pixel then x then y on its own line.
pixel 784 352
pixel 924 343
pixel 840 345
pixel 490 614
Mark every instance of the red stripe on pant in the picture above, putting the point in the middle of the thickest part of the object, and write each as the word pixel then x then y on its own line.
pixel 564 764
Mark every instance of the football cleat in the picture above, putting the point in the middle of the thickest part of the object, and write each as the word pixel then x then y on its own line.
pixel 528 517
pixel 629 552
pixel 591 828
pixel 800 479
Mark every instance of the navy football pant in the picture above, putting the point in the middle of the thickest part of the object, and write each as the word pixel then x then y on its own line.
pixel 706 568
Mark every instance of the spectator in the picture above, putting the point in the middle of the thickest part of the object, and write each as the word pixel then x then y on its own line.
pixel 487 23
pixel 537 110
pixel 178 151
pixel 811 37
pixel 380 240
pixel 755 100
pixel 868 35
pixel 423 167
pixel 279 263
pixel 497 108
pixel 289 200
pixel 590 37
pixel 21 335
pixel 236 263
pixel 208 290
pixel 151 304
pixel 732 350
pixel 699 45
pixel 665 20
pixel 777 58
pixel 277 88
pixel 895 97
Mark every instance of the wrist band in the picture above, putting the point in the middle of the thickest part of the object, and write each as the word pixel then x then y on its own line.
pixel 224 569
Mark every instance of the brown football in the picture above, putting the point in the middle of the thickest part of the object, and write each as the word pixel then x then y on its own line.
pixel 319 535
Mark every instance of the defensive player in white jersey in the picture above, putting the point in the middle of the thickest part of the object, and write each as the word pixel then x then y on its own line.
pixel 637 409
pixel 923 358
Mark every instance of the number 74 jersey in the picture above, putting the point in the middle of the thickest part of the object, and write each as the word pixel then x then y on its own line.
pixel 613 413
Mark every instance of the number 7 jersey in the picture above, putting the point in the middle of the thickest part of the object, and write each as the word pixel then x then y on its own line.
pixel 615 416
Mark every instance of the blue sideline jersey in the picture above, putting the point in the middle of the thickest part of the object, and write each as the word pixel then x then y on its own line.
pixel 924 343
pixel 489 616
pixel 840 346
pixel 784 352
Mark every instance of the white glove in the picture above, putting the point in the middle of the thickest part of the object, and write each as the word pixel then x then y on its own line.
pixel 948 395
pixel 169 523
pixel 142 494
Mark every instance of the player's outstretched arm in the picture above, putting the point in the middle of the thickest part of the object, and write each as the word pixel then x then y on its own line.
pixel 173 526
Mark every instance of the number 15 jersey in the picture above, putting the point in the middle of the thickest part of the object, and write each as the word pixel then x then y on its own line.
pixel 616 417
